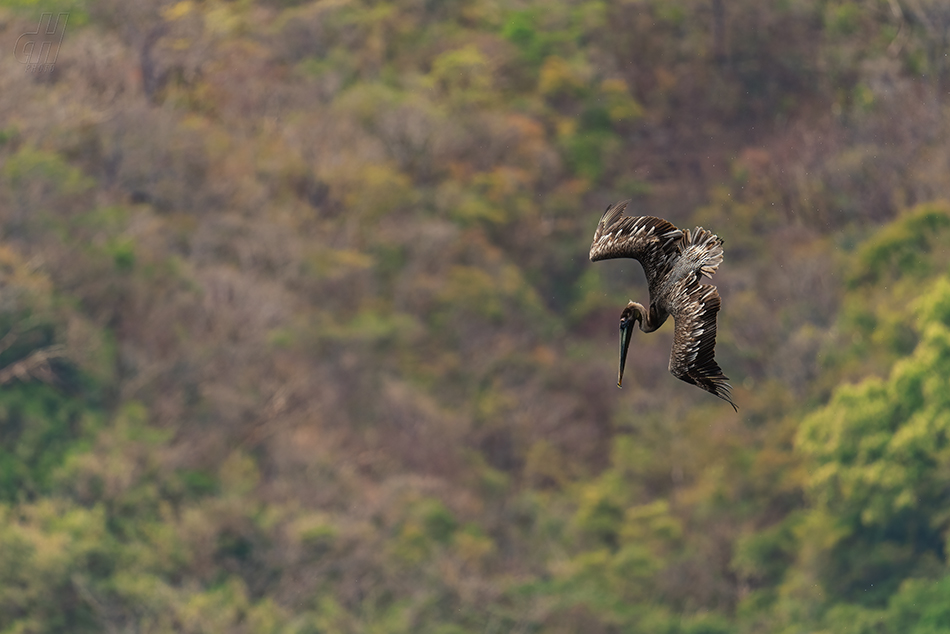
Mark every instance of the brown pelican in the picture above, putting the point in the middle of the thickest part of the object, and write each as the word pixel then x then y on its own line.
pixel 674 262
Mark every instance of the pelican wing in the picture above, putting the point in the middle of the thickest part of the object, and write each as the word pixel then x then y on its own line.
pixel 694 340
pixel 652 241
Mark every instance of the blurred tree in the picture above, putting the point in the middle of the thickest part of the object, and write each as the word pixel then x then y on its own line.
pixel 298 331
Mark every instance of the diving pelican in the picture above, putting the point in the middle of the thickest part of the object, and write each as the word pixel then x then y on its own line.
pixel 674 262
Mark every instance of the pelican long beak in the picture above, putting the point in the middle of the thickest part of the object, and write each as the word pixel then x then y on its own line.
pixel 626 329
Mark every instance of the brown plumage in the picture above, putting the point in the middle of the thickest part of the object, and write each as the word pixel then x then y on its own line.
pixel 674 261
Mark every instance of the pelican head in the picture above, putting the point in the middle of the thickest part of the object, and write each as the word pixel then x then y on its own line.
pixel 632 313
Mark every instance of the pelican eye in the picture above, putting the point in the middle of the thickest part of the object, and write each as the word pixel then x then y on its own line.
pixel 623 323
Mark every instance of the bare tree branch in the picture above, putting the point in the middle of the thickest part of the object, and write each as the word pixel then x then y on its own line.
pixel 33 366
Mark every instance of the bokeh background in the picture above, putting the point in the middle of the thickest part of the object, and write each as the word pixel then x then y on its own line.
pixel 298 332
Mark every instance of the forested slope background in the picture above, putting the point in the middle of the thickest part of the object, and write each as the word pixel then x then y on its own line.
pixel 298 332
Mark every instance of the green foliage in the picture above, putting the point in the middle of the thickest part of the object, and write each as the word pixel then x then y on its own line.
pixel 77 9
pixel 41 189
pixel 316 533
pixel 371 327
pixel 878 452
pixel 878 317
pixel 198 483
pixel 39 427
pixel 921 607
pixel 123 254
pixel 560 78
pixel 35 168
pixel 521 29
pixel 764 556
pixel 464 74
pixel 842 18
pixel 8 134
pixel 585 153
pixel 904 249
pixel 438 521
pixel 620 105
pixel 48 404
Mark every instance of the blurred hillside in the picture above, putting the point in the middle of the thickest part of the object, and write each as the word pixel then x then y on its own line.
pixel 298 332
